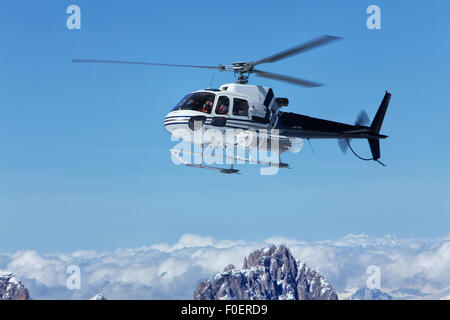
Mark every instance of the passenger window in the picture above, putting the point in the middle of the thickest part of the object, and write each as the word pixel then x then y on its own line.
pixel 240 107
pixel 223 105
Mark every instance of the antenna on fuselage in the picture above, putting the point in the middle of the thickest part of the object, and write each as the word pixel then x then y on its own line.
pixel 210 82
pixel 310 144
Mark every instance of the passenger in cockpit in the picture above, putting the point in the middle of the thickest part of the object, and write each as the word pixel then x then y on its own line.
pixel 222 109
pixel 242 108
pixel 207 107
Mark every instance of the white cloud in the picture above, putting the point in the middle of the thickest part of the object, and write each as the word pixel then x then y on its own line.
pixel 190 240
pixel 29 264
pixel 164 271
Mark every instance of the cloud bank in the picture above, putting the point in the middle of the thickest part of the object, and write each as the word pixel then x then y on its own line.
pixel 410 268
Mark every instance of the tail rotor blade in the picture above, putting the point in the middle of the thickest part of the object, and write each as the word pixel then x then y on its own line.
pixel 343 145
pixel 362 119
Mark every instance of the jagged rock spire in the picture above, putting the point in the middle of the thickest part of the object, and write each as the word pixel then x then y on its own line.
pixel 271 273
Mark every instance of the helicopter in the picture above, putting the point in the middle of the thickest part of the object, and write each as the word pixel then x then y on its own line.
pixel 242 108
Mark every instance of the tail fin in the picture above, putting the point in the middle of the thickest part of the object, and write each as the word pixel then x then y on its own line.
pixel 375 127
pixel 377 122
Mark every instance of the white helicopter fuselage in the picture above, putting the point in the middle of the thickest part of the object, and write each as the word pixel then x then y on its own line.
pixel 235 110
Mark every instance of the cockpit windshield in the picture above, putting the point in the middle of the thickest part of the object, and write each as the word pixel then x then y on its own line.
pixel 197 101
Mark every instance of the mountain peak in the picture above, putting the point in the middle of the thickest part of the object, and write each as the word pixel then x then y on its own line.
pixel 98 296
pixel 370 294
pixel 271 273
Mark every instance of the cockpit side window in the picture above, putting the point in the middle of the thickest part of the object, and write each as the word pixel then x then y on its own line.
pixel 197 101
pixel 223 105
pixel 240 107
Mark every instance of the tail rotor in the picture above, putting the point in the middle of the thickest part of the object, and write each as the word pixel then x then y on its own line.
pixel 361 120
pixel 373 131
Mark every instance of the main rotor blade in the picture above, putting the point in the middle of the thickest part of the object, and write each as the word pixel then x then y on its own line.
pixel 297 81
pixel 219 67
pixel 298 49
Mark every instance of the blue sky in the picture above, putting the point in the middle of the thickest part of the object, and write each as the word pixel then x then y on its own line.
pixel 84 156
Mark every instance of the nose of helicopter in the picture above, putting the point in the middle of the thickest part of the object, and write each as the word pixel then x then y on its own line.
pixel 175 120
pixel 183 122
pixel 167 121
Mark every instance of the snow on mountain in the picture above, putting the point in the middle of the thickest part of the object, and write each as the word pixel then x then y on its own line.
pixel 11 288
pixel 98 296
pixel 370 294
pixel 271 273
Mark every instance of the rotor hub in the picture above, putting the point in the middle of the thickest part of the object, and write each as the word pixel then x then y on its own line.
pixel 244 69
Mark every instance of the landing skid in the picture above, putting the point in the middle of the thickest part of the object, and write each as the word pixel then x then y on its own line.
pixel 177 154
pixel 221 170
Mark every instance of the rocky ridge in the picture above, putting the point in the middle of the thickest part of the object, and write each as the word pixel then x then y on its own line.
pixel 11 288
pixel 271 273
